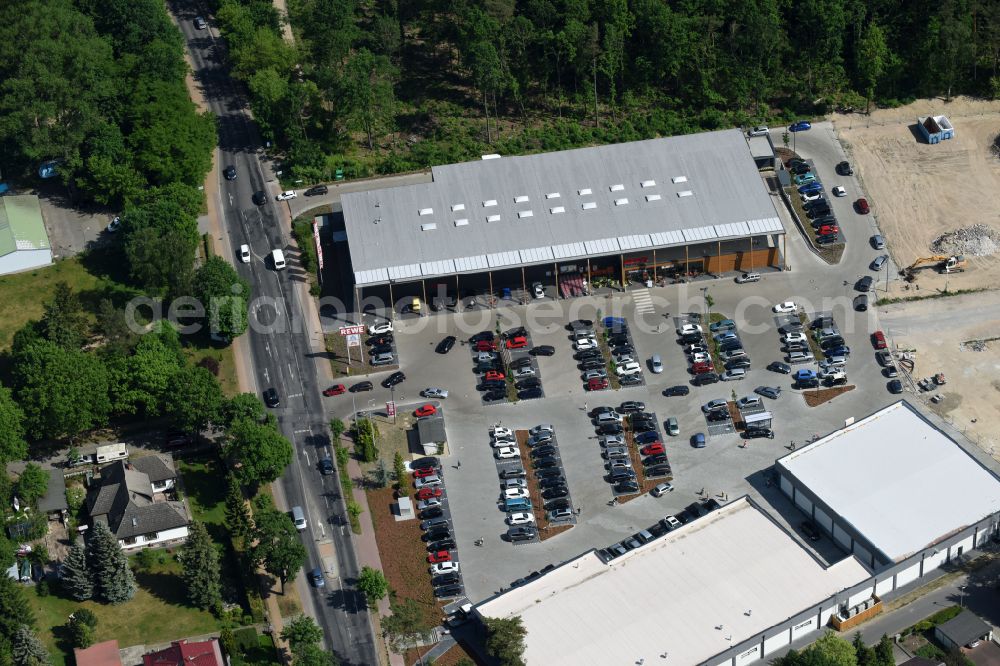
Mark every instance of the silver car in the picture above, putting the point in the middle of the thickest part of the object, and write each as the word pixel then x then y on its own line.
pixel 879 262
pixel 612 440
pixel 435 393
pixel 594 374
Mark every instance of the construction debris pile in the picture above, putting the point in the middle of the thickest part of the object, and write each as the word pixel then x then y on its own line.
pixel 978 240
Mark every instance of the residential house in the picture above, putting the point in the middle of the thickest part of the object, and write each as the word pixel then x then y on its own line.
pixel 963 630
pixel 137 501
pixel 185 653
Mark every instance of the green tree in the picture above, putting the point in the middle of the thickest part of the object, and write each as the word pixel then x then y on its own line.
pixel 873 58
pixel 32 484
pixel 830 650
pixel 884 654
pixel 311 654
pixel 27 650
pixel 405 623
pixel 278 547
pixel 245 406
pixel 259 451
pixel 365 434
pixel 15 612
pixel 82 625
pixel 114 581
pixel 367 92
pixel 194 399
pixel 399 470
pixel 64 322
pixel 77 578
pixel 12 444
pixel 223 294
pixel 372 584
pixel 505 640
pixel 337 429
pixel 304 638
pixel 199 560
pixel 238 518
pixel 141 383
pixel 865 655
pixel 62 392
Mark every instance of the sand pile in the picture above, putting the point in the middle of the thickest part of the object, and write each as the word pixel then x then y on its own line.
pixel 978 240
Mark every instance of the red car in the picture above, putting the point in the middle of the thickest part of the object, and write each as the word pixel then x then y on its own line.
pixel 486 346
pixel 828 230
pixel 597 384
pixel 652 449
pixel 518 342
pixel 421 473
pixel 336 389
pixel 439 556
pixel 428 493
pixel 702 367
pixel 426 410
pixel 862 205
pixel 878 340
pixel 494 375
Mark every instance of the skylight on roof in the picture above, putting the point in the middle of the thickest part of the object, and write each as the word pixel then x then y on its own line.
pixel 653 197
pixel 685 193
pixel 492 218
pixel 457 207
pixel 430 226
pixel 590 205
pixel 461 222
pixel 584 192
pixel 552 195
pixel 648 183
pixel 489 203
pixel 679 179
pixel 521 198
pixel 526 213
pixel 426 211
pixel 557 209
pixel 617 188
pixel 621 202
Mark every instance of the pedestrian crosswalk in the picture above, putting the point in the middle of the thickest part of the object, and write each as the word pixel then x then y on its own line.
pixel 643 301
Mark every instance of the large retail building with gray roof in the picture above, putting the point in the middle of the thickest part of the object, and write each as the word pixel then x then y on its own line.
pixel 626 212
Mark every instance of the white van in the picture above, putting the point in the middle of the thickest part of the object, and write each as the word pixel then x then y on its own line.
pixel 748 277
pixel 110 453
pixel 299 518
pixel 279 259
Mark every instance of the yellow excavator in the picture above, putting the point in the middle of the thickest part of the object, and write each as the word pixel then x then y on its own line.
pixel 943 264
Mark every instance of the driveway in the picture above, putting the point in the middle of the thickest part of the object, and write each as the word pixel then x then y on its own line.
pixel 71 229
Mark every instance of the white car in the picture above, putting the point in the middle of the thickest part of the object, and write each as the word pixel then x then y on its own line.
pixel 594 374
pixel 629 369
pixel 656 363
pixel 811 196
pixel 115 225
pixel 624 358
pixel 661 489
pixel 793 337
pixel 700 357
pixel 759 130
pixel 502 442
pixel 505 452
pixel 515 493
pixel 612 440
pixel 787 306
pixel 427 482
pixel 500 431
pixel 434 393
pixel 245 254
pixel 521 518
pixel 585 343
pixel 839 191
pixel 443 568
pixel 286 195
pixel 428 503
pixel 671 523
pixel 687 329
pixel 538 289
pixel 379 329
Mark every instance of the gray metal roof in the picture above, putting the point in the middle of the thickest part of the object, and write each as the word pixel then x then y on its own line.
pixel 599 200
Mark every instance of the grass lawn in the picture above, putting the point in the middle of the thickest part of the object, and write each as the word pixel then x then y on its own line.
pixel 22 295
pixel 157 613
pixel 227 365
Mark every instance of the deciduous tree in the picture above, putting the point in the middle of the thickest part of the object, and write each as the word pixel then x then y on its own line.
pixel 505 640
pixel 277 548
pixel 194 399
pixel 259 452
pixel 32 484
pixel 372 584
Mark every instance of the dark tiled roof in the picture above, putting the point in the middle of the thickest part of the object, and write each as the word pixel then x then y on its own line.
pixel 123 500
pixel 964 628
pixel 55 497
pixel 431 430
pixel 158 467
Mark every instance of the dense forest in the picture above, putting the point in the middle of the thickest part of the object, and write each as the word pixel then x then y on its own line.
pixel 383 86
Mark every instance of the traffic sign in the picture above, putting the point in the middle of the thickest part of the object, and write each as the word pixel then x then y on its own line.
pixel 353 340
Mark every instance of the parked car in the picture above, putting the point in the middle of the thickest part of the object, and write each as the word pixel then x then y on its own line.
pixel 878 242
pixel 698 440
pixel 445 345
pixel 785 306
pixel 336 389
pixel 432 392
pixel 705 379
pixel 316 190
pixel 800 126
pixel 748 277
pixel 862 206
pixel 676 391
pixel 845 169
pixel 895 386
pixel 543 350
pixel 768 391
pixel 879 262
pixel 285 196
pixel 759 130
pixel 756 433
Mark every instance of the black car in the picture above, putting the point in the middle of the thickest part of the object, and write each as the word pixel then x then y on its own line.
pixel 548 473
pixel 482 335
pixel 316 190
pixel 433 512
pixel 657 470
pixel 592 364
pixel 555 493
pixel 529 394
pixel 823 221
pixel 800 168
pixel 259 197
pixel 809 529
pixel 560 503
pixel 676 390
pixel 229 172
pixel 513 473
pixel 692 338
pixel 521 533
pixel 832 343
pixel 818 211
pixel 383 339
pixel 361 386
pixel 625 487
pixel 515 332
pixel 494 396
pixel 716 416
pixel 730 345
pixel 808 383
pixel 654 461
pixel 545 463
pixel 542 350
pixel 618 339
pixel 580 323
pixel 629 380
pixel 445 345
pixel 543 451
pixel 523 362
pixel 610 429
pixel 642 425
pixel 449 578
pixel 492 385
pixel 757 433
pixel 780 368
pixel 528 383
pixel 603 409
pixel 552 482
pixel 436 534
pixel 827 240
pixel 392 380
pixel 845 169
pixel 375 350
pixel 632 406
pixel 447 591
pixel 895 386
pixel 705 379
pixel 588 354
pixel 865 283
pixel 271 398
pixel 430 462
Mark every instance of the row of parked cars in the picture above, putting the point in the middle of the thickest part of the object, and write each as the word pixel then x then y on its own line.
pixel 727 344
pixel 814 200
pixel 611 424
pixel 432 507
pixel 691 512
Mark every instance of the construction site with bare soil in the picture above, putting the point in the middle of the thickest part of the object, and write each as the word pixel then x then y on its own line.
pixel 938 208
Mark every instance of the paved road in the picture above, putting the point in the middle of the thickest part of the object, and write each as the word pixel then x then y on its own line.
pixel 302 203
pixel 280 349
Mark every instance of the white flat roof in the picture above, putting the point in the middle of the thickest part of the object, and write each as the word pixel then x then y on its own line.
pixel 733 568
pixel 900 481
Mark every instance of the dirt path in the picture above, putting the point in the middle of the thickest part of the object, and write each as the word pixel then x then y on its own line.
pixel 919 191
